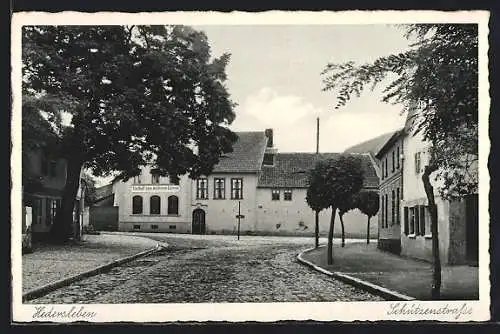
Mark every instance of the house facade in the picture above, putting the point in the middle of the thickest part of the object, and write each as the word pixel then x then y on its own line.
pixel 390 158
pixel 43 193
pixel 457 219
pixel 265 188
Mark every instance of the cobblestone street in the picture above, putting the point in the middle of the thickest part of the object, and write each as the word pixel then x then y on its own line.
pixel 217 269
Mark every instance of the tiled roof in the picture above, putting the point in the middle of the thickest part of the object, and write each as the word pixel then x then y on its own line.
pixel 291 170
pixel 103 192
pixel 247 155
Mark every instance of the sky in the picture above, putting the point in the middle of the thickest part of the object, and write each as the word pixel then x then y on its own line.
pixel 274 76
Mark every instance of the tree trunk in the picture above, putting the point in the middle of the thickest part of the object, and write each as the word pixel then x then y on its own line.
pixel 330 237
pixel 61 229
pixel 368 231
pixel 429 191
pixel 316 230
pixel 342 225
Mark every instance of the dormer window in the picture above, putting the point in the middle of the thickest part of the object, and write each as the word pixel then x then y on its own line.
pixel 268 159
pixel 155 177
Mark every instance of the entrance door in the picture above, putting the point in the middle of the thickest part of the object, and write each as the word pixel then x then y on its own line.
pixel 198 221
pixel 472 216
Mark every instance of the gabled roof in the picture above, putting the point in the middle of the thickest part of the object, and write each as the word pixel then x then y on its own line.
pixel 371 146
pixel 290 170
pixel 247 155
pixel 392 139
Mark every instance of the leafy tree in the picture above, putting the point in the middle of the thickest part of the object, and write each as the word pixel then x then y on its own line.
pixel 436 80
pixel 368 203
pixel 331 183
pixel 345 207
pixel 135 95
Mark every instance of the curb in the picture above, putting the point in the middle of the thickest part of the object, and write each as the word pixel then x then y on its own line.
pixel 39 292
pixel 359 283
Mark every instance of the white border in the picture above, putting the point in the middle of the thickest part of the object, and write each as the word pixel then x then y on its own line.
pixel 266 312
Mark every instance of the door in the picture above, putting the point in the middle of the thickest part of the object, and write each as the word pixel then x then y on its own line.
pixel 472 238
pixel 198 222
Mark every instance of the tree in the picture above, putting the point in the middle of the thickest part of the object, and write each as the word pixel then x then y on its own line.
pixel 345 207
pixel 436 80
pixel 331 183
pixel 368 203
pixel 135 95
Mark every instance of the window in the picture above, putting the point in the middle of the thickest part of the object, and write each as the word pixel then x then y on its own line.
pixel 155 177
pixel 386 209
pixel 417 163
pixel 154 205
pixel 136 205
pixel 385 167
pixel 154 227
pixel 287 194
pixel 173 205
pixel 398 213
pixel 37 211
pixel 393 161
pixel 44 164
pixel 52 208
pixel 172 179
pixel 172 227
pixel 382 212
pixel 237 188
pixel 406 220
pixel 422 219
pixel 202 188
pixel 53 168
pixel 268 159
pixel 398 157
pixel 219 188
pixel 412 220
pixel 393 208
pixel 416 221
pixel 275 194
pixel 137 227
pixel 137 179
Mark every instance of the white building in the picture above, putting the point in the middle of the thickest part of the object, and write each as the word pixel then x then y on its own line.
pixel 267 188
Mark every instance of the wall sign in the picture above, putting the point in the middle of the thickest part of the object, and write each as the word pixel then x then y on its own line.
pixel 166 188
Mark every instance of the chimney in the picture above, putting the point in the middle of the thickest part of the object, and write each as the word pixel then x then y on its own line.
pixel 269 135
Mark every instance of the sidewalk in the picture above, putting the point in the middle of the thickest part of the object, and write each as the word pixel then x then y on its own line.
pixel 49 263
pixel 406 276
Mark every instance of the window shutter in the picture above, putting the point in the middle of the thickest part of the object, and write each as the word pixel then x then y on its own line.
pixel 406 227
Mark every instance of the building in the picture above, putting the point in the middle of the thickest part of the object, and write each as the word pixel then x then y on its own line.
pixel 265 188
pixel 390 158
pixel 457 220
pixel 43 190
pixel 103 214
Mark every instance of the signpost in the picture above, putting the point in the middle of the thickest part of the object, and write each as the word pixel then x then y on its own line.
pixel 239 216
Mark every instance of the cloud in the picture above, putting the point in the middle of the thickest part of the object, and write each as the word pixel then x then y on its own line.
pixel 294 121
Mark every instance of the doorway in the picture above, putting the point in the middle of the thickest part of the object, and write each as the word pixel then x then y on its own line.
pixel 198 222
